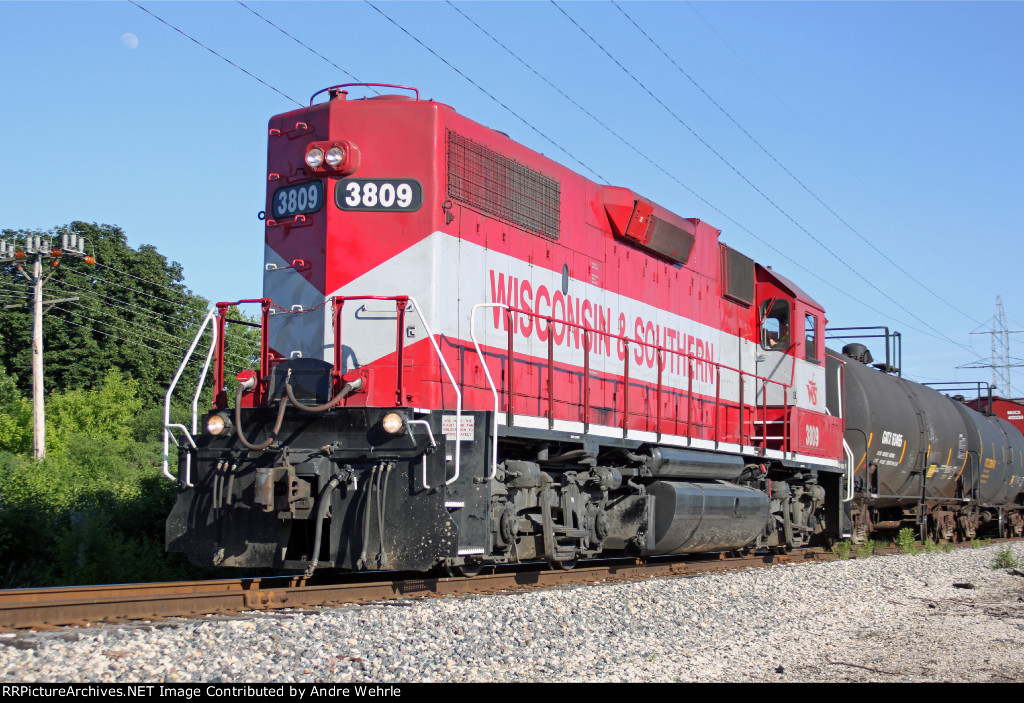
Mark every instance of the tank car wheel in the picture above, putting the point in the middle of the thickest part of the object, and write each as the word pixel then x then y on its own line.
pixel 469 569
pixel 566 565
pixel 464 570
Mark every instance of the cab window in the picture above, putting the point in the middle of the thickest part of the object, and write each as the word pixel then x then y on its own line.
pixel 775 324
pixel 811 337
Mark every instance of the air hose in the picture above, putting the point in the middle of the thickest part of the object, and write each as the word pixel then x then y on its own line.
pixel 321 513
pixel 346 389
pixel 238 421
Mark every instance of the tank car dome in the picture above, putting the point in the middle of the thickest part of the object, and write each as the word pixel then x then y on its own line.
pixel 859 352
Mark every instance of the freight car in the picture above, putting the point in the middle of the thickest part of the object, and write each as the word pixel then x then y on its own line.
pixel 472 355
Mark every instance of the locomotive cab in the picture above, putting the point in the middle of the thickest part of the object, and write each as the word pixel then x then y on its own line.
pixel 791 355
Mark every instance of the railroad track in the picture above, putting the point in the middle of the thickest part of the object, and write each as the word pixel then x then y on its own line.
pixel 44 608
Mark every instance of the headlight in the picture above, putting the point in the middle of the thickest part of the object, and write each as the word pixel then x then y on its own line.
pixel 218 424
pixel 393 423
pixel 335 156
pixel 315 157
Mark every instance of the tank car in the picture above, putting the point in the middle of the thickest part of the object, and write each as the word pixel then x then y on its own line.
pixel 921 459
pixel 472 355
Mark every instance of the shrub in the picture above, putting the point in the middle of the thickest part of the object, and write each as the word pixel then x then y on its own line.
pixel 866 549
pixel 93 511
pixel 906 540
pixel 1005 559
pixel 842 549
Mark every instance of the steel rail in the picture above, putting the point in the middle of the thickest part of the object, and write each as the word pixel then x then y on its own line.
pixel 62 606
pixel 46 608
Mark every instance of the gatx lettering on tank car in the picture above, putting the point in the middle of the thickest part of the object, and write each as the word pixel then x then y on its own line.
pixel 472 355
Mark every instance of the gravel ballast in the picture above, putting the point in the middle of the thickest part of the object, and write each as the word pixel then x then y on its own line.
pixel 928 617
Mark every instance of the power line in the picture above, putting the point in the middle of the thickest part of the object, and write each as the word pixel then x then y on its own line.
pixel 303 44
pixel 686 187
pixel 750 183
pixel 114 302
pixel 223 58
pixel 129 288
pixel 114 336
pixel 179 344
pixel 176 339
pixel 485 91
pixel 144 280
pixel 789 173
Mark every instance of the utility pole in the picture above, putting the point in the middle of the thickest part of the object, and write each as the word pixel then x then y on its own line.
pixel 37 248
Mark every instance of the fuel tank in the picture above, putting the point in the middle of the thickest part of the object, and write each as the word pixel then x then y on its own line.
pixel 706 516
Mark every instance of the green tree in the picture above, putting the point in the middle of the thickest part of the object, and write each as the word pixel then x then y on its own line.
pixel 15 418
pixel 133 314
pixel 93 510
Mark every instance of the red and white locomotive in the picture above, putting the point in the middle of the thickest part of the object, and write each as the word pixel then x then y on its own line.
pixel 473 355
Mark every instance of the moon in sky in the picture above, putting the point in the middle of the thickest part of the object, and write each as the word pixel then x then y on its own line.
pixel 130 40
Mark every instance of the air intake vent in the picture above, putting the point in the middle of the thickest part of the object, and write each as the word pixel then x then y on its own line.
pixel 738 272
pixel 494 184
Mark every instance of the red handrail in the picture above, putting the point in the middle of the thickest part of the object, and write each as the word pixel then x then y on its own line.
pixel 220 398
pixel 401 303
pixel 659 352
pixel 589 334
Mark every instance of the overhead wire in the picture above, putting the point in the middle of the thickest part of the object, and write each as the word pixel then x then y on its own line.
pixel 114 336
pixel 789 173
pixel 535 129
pixel 122 305
pixel 685 186
pixel 750 183
pixel 486 92
pixel 220 56
pixel 180 344
pixel 302 43
pixel 113 303
pixel 129 288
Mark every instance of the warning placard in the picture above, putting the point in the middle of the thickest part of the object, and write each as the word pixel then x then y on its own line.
pixel 466 427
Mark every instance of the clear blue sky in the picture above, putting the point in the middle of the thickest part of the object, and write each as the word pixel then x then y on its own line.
pixel 900 124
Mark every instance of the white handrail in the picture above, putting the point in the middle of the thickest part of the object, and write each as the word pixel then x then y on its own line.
pixel 849 471
pixel 168 426
pixel 490 381
pixel 455 386
pixel 433 445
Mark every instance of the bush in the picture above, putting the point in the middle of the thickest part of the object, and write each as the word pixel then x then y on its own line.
pixel 866 549
pixel 843 549
pixel 93 511
pixel 906 540
pixel 1005 559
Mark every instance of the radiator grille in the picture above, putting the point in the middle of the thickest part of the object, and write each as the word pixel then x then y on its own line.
pixel 739 275
pixel 496 185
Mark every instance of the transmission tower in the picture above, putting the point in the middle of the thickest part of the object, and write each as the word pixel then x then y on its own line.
pixel 1001 362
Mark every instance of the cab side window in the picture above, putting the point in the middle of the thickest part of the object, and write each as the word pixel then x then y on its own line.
pixel 811 337
pixel 775 324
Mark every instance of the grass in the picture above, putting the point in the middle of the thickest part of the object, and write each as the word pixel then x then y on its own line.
pixel 866 549
pixel 1005 559
pixel 842 549
pixel 931 546
pixel 906 540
